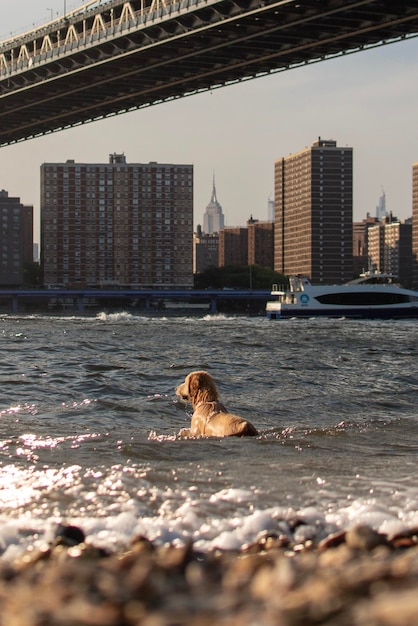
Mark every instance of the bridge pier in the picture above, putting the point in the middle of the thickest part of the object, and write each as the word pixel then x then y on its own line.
pixel 214 304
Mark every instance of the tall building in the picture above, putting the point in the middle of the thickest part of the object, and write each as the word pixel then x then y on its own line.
pixel 390 248
pixel 381 207
pixel 16 239
pixel 260 243
pixel 117 224
pixel 233 246
pixel 398 250
pixel 376 247
pixel 270 210
pixel 361 244
pixel 205 250
pixel 213 219
pixel 313 232
pixel 415 225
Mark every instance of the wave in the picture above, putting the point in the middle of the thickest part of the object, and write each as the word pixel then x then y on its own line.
pixel 122 316
pixel 229 519
pixel 217 317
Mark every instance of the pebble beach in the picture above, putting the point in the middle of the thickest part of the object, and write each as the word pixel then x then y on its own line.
pixel 353 578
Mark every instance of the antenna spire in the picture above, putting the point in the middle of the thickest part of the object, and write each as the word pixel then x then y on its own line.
pixel 214 199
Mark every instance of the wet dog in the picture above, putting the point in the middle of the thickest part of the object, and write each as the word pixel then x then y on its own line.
pixel 210 417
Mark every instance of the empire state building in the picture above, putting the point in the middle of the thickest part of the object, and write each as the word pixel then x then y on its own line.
pixel 213 218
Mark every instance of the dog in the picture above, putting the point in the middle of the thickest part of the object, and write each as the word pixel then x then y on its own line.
pixel 210 417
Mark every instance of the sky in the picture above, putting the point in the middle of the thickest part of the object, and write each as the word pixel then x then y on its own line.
pixel 366 100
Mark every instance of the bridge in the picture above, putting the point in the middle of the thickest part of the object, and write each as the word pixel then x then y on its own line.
pixel 110 57
pixel 134 300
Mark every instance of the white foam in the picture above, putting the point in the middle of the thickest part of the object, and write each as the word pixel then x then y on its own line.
pixel 123 316
pixel 217 317
pixel 111 517
pixel 231 495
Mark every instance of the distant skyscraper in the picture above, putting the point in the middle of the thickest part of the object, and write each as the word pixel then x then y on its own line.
pixel 313 233
pixel 381 207
pixel 117 224
pixel 270 210
pixel 213 219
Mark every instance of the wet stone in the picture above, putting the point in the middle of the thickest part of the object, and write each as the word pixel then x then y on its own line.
pixel 355 578
pixel 364 538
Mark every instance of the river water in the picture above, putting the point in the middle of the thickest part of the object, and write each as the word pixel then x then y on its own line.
pixel 89 423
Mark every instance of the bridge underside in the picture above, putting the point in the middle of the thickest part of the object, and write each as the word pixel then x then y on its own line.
pixel 211 45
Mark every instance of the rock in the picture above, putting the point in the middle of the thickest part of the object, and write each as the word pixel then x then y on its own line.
pixel 356 578
pixel 68 535
pixel 364 538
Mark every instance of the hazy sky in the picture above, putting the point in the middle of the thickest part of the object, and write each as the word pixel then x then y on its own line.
pixel 367 101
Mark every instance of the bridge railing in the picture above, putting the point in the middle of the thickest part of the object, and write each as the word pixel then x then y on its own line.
pixel 77 31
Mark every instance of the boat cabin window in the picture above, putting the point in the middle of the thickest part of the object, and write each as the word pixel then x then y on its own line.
pixel 362 298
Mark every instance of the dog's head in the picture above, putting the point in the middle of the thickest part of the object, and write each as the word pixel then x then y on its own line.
pixel 198 387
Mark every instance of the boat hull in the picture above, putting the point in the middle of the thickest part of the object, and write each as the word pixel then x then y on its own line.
pixel 344 312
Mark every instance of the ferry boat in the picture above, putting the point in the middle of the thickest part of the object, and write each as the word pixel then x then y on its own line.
pixel 370 296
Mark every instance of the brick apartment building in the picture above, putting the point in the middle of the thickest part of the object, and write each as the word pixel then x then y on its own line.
pixel 361 244
pixel 117 224
pixel 205 250
pixel 233 246
pixel 390 248
pixel 16 239
pixel 260 243
pixel 314 213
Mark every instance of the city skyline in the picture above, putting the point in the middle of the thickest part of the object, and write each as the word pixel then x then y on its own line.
pixel 365 100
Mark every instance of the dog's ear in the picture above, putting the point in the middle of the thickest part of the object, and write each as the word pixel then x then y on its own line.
pixel 202 387
pixel 193 384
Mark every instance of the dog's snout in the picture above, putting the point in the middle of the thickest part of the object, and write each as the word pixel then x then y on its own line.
pixel 182 392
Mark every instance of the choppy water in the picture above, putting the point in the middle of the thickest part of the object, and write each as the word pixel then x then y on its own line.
pixel 89 423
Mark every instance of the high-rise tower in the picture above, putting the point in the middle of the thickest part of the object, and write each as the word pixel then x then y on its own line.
pixel 313 232
pixel 16 238
pixel 213 219
pixel 381 207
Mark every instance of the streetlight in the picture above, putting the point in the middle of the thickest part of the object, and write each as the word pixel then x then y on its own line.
pixel 52 13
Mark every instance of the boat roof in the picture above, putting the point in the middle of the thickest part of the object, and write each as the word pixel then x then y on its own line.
pixel 375 278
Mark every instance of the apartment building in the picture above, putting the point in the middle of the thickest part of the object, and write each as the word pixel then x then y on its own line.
pixel 390 248
pixel 260 243
pixel 117 224
pixel 233 246
pixel 313 232
pixel 16 239
pixel 205 250
pixel 361 244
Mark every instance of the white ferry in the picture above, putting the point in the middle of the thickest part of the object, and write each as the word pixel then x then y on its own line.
pixel 370 296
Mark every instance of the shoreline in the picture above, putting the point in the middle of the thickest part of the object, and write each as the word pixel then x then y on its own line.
pixel 353 578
